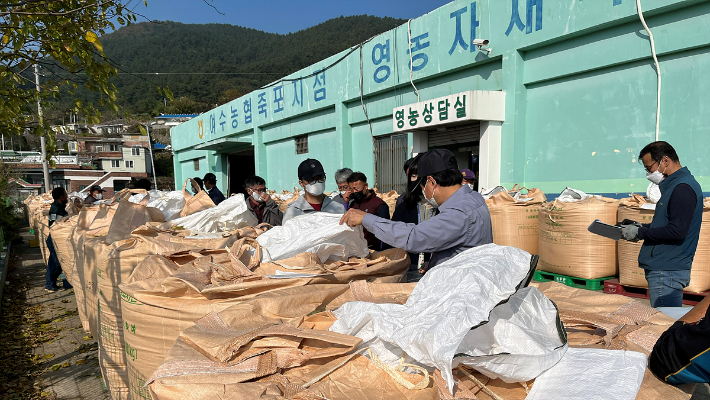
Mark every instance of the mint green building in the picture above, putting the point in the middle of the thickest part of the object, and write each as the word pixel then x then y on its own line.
pixel 555 93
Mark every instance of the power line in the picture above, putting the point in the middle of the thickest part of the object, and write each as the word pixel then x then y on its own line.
pixel 200 73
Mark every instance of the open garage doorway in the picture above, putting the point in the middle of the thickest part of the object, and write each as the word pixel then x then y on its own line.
pixel 240 166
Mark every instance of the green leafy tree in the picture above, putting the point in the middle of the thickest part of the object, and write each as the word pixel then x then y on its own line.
pixel 62 37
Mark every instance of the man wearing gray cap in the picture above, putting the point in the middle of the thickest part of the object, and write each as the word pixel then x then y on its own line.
pixel 463 221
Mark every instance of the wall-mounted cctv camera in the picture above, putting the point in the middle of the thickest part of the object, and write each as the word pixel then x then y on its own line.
pixel 480 43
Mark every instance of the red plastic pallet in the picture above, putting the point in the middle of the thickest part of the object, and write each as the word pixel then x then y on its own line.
pixel 612 286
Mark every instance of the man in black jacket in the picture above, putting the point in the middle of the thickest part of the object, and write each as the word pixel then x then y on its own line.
pixel 681 353
pixel 56 211
pixel 95 194
pixel 261 205
pixel 210 182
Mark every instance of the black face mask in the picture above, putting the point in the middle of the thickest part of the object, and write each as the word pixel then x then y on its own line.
pixel 357 196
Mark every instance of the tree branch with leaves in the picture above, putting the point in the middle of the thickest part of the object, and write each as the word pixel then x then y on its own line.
pixel 62 37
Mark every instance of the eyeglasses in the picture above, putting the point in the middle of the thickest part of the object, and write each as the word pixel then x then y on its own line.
pixel 255 190
pixel 648 169
pixel 315 179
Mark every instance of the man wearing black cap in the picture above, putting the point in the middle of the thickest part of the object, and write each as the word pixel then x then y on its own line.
pixel 210 182
pixel 95 194
pixel 463 221
pixel 311 177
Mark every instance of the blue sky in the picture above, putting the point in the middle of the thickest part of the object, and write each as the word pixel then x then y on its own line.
pixel 280 16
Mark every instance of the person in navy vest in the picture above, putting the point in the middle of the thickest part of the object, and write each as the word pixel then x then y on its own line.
pixel 670 241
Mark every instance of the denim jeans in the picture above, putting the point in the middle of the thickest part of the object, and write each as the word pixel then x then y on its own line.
pixel 665 288
pixel 54 269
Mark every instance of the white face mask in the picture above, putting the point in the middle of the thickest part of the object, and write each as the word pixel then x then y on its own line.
pixel 316 188
pixel 342 192
pixel 99 196
pixel 656 176
pixel 257 197
pixel 470 185
pixel 431 201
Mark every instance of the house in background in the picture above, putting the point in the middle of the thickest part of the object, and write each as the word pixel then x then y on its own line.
pixel 115 127
pixel 110 162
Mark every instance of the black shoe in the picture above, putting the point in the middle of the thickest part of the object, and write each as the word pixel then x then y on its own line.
pixel 52 290
pixel 67 286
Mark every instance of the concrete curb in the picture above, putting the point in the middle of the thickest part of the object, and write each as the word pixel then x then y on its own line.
pixel 3 273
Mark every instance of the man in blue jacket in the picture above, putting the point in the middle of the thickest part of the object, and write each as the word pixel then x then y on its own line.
pixel 463 221
pixel 670 241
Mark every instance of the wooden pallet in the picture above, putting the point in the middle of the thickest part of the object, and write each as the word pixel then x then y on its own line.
pixel 613 286
pixel 589 284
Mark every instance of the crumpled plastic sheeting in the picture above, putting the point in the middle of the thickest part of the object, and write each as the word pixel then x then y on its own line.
pixel 653 192
pixel 448 301
pixel 318 233
pixel 170 203
pixel 80 195
pixel 592 374
pixel 522 338
pixel 570 195
pixel 489 193
pixel 229 215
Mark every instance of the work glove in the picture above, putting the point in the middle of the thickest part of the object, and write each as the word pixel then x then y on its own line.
pixel 630 233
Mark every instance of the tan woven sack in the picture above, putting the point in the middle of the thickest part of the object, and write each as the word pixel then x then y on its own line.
pixel 43 233
pixel 200 201
pixel 76 244
pixel 568 248
pixel 515 221
pixel 116 264
pixel 629 271
pixel 130 216
pixel 174 303
pixel 90 244
pixel 61 232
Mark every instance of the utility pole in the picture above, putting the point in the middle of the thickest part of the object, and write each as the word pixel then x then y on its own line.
pixel 152 163
pixel 42 140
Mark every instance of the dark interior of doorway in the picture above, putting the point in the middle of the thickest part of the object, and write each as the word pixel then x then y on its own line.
pixel 467 156
pixel 241 166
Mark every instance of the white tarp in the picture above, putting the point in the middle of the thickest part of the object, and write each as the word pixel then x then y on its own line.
pixel 170 203
pixel 450 300
pixel 523 337
pixel 318 233
pixel 229 215
pixel 592 374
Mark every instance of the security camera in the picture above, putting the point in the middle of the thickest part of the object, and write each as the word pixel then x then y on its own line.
pixel 480 43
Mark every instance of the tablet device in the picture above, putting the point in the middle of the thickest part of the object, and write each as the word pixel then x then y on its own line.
pixel 608 231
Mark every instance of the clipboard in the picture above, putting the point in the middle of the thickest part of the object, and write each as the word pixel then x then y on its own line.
pixel 608 231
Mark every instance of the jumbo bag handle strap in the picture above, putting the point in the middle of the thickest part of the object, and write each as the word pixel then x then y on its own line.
pixel 194 185
pixel 118 196
pixel 144 201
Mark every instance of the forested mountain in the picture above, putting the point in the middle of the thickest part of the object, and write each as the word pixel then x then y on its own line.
pixel 205 50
